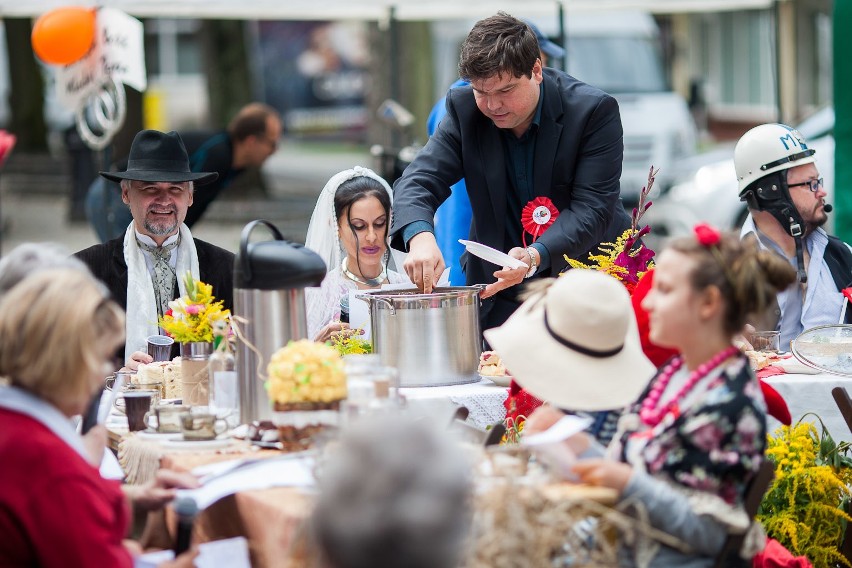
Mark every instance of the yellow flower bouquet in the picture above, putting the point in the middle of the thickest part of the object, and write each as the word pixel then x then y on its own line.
pixel 804 508
pixel 193 318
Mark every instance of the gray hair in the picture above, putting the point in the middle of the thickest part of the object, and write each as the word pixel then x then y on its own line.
pixel 29 258
pixel 393 494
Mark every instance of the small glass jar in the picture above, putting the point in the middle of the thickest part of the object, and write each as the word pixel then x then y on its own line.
pixel 224 386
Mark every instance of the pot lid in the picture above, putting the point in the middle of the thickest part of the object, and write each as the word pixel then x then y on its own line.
pixel 827 348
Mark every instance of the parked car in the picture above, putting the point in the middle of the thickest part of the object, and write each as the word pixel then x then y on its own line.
pixel 707 187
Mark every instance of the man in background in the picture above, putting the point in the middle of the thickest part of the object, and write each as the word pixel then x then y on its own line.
pixel 251 138
pixel 779 181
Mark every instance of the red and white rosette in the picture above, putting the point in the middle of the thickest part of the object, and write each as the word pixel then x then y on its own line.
pixel 537 216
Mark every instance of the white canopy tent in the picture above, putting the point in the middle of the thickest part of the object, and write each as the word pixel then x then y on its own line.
pixel 371 10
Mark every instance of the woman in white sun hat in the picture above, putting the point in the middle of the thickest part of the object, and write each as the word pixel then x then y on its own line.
pixel 688 447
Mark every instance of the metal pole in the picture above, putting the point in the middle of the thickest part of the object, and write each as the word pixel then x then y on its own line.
pixel 563 36
pixel 776 13
pixel 396 76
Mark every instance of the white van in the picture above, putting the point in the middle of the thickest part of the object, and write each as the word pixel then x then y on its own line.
pixel 620 53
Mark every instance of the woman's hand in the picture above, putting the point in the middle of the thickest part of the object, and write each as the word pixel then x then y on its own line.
pixel 137 358
pixel 603 473
pixel 336 328
pixel 546 416
pixel 161 490
pixel 542 418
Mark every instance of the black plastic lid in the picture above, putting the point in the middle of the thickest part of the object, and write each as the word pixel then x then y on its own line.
pixel 276 264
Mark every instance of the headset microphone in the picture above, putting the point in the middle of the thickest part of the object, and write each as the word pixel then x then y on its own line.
pixel 827 207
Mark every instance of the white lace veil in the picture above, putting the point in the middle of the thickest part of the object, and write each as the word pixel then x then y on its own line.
pixel 322 236
pixel 323 239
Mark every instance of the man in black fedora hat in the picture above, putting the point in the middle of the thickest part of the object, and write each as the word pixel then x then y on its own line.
pixel 144 268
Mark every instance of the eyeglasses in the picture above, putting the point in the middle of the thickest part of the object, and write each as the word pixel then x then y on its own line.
pixel 813 184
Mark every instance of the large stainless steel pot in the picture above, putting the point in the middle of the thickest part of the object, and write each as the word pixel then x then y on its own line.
pixel 432 339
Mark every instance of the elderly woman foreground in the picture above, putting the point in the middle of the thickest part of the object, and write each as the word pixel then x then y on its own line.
pixel 57 335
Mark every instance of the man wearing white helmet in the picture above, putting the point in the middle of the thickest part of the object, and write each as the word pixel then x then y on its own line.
pixel 779 180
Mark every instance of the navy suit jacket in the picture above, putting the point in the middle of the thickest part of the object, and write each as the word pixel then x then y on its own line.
pixel 577 164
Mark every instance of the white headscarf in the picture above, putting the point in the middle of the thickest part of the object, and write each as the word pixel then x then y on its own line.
pixel 323 239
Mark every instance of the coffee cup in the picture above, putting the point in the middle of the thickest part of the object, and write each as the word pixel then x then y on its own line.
pixel 136 404
pixel 201 426
pixel 168 418
pixel 119 380
pixel 154 393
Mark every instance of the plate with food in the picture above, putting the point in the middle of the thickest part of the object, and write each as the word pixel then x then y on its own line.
pixel 491 368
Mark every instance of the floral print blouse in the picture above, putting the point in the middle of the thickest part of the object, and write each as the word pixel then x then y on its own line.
pixel 714 443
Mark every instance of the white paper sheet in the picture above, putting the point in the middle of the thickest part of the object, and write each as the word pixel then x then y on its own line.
pixel 286 471
pixel 230 552
pixel 550 450
pixel 562 430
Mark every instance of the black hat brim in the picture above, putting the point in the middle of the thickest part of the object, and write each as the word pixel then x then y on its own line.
pixel 199 178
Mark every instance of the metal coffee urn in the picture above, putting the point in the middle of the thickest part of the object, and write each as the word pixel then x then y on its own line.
pixel 269 301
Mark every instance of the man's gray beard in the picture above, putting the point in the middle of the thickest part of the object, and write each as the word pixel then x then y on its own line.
pixel 160 229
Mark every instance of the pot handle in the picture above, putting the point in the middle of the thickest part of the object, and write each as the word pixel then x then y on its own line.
pixel 244 239
pixel 481 288
pixel 370 299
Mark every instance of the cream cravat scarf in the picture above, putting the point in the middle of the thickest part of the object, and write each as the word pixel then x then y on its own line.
pixel 141 302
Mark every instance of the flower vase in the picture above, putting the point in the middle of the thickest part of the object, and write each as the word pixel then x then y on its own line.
pixel 193 372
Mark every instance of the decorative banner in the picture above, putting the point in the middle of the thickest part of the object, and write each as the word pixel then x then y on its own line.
pixel 537 216
pixel 117 54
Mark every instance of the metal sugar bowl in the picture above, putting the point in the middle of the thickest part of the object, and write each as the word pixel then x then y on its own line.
pixel 432 339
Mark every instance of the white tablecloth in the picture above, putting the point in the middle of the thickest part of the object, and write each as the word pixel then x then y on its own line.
pixel 812 393
pixel 484 400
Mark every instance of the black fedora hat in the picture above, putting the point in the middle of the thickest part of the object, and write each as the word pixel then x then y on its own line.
pixel 159 156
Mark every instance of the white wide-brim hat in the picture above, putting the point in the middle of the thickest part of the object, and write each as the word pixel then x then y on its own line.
pixel 576 345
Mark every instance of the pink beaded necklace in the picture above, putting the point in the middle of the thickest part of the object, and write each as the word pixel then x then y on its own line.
pixel 649 413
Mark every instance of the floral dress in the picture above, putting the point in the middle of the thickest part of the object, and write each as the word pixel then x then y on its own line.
pixel 691 470
pixel 714 444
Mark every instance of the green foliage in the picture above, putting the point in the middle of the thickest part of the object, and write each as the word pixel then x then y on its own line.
pixel 804 508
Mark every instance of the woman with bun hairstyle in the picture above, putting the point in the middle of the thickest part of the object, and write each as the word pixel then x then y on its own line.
pixel 690 445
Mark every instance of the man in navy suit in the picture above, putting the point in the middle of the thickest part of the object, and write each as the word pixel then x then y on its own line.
pixel 526 139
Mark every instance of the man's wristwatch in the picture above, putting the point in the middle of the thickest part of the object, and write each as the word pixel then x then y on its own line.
pixel 533 262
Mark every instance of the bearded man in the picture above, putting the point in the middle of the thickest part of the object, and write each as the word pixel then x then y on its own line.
pixel 144 268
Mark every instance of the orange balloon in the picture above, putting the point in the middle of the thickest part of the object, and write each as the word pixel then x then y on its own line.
pixel 64 35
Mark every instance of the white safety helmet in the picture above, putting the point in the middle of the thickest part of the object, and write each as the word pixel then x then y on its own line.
pixel 769 148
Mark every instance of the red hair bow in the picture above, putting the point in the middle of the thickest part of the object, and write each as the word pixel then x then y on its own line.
pixel 707 235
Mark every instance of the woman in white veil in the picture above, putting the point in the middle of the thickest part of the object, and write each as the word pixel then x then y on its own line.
pixel 337 238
